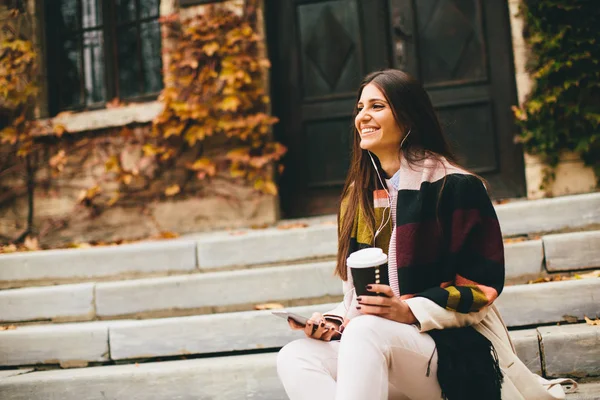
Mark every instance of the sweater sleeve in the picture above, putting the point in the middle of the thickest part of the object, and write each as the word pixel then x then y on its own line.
pixel 347 307
pixel 431 316
pixel 475 248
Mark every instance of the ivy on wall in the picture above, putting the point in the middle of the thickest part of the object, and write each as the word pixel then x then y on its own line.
pixel 215 123
pixel 562 112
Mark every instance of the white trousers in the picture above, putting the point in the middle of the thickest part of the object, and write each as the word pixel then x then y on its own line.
pixel 376 359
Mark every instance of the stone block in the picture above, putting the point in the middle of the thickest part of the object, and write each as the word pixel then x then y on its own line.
pixel 45 303
pixel 53 344
pixel 224 378
pixel 542 303
pixel 528 349
pixel 136 258
pixel 216 289
pixel 266 247
pixel 571 350
pixel 523 259
pixel 572 251
pixel 204 334
pixel 544 215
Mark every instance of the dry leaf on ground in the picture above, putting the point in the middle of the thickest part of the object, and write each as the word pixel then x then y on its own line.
pixel 592 321
pixel 268 306
pixel 168 235
pixel 31 244
pixel 8 328
pixel 515 240
pixel 587 275
pixel 293 225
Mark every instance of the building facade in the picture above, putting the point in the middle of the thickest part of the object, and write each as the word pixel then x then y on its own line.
pixel 469 54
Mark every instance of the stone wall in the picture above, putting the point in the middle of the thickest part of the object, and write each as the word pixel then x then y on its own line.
pixel 572 176
pixel 60 219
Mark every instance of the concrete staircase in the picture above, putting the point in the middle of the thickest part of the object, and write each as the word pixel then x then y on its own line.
pixel 176 319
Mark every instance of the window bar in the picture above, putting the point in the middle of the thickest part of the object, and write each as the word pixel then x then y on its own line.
pixel 83 99
pixel 115 52
pixel 138 26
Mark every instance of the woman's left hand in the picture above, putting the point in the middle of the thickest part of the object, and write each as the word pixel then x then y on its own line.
pixel 389 307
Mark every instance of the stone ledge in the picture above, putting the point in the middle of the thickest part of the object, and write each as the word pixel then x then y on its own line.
pixel 65 344
pixel 549 302
pixel 546 215
pixel 48 303
pixel 102 119
pixel 572 251
pixel 225 378
pixel 219 289
pixel 571 350
pixel 145 257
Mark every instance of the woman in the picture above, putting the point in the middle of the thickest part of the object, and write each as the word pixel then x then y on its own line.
pixel 436 333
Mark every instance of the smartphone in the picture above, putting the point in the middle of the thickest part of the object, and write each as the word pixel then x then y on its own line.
pixel 286 314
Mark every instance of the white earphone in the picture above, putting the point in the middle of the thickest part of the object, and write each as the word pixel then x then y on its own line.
pixel 385 221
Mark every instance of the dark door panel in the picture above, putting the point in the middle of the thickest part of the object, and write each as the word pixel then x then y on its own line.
pixel 460 50
pixel 320 50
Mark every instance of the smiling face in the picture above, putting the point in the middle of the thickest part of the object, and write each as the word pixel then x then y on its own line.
pixel 376 124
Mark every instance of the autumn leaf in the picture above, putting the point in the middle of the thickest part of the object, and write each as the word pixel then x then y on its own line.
pixel 595 322
pixel 210 48
pixel 59 129
pixel 230 103
pixel 270 188
pixel 9 135
pixel 268 306
pixel 168 235
pixel 172 190
pixel 8 327
pixel 58 161
pixel 112 164
pixel 292 225
pixel 89 194
pixel 204 165
pixel 126 178
pixel 11 248
pixel 115 197
pixel 31 244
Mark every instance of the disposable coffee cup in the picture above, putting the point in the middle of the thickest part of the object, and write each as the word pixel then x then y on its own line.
pixel 368 266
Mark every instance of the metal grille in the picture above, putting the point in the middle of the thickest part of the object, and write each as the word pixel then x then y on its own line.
pixel 102 49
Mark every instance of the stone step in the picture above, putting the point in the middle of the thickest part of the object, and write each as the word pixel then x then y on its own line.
pixel 200 293
pixel 224 378
pixel 103 341
pixel 259 247
pixel 117 262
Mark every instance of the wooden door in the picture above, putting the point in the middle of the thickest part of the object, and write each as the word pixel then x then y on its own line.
pixel 320 52
pixel 461 51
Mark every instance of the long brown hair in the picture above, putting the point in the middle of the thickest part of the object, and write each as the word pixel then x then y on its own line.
pixel 412 110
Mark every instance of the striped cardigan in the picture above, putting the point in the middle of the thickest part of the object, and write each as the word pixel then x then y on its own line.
pixel 447 248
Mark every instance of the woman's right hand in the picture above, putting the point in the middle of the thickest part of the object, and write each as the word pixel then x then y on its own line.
pixel 317 328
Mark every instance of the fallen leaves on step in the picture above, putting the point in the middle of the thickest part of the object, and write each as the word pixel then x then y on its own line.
pixel 592 321
pixel 8 327
pixel 167 235
pixel 10 248
pixel 555 278
pixel 292 225
pixel 268 306
pixel 515 240
pixel 592 274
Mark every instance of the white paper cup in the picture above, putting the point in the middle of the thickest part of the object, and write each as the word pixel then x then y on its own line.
pixel 368 266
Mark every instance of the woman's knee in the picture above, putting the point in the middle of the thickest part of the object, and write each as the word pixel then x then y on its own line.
pixel 292 354
pixel 362 326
